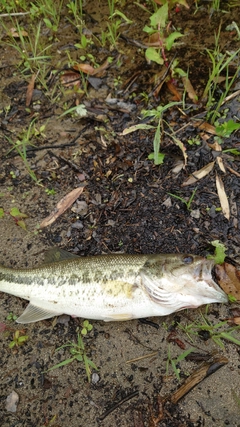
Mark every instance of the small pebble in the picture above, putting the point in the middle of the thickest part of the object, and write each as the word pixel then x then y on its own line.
pixel 95 378
pixel 12 401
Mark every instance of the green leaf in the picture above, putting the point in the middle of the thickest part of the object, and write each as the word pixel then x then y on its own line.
pixel 65 362
pixel 219 254
pixel 21 224
pixel 92 364
pixel 231 298
pixel 153 55
pixel 118 13
pixel 184 354
pixel 12 344
pixel 233 151
pixel 79 358
pixel 229 337
pixel 22 339
pixel 160 17
pixel 83 41
pixel 15 212
pixel 171 39
pixel 148 30
pixel 225 129
pixel 1 213
pixel 47 22
pixel 160 158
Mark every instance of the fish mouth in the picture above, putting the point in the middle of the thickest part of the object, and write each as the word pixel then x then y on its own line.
pixel 205 271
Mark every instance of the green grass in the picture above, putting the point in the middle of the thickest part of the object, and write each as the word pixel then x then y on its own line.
pixel 187 202
pixel 77 351
pixel 219 332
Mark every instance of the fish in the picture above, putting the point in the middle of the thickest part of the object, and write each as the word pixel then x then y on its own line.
pixel 113 287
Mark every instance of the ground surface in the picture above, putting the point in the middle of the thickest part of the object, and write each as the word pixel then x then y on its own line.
pixel 125 206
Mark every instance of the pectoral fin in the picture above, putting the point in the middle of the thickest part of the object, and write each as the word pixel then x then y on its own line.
pixel 33 314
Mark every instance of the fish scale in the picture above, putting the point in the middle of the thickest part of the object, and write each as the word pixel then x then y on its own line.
pixel 112 287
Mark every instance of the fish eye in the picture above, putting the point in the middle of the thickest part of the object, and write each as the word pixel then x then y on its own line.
pixel 188 259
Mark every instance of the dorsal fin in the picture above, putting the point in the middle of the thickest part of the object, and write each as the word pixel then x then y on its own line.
pixel 57 254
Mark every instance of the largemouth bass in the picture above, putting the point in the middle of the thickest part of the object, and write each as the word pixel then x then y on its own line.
pixel 112 287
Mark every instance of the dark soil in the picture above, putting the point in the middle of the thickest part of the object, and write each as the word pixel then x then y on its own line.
pixel 127 208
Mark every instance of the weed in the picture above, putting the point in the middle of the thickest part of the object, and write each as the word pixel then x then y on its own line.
pixel 117 81
pixel 30 49
pixel 224 130
pixel 194 141
pixel 21 144
pixel 50 192
pixel 11 317
pixel 157 156
pixel 13 175
pixel 51 11
pixel 157 36
pixel 76 9
pixel 17 216
pixel 218 332
pixel 80 110
pixel 78 351
pixel 220 62
pixel 234 26
pixel 84 43
pixel 18 339
pixel 113 31
pixel 111 7
pixel 174 362
pixel 185 201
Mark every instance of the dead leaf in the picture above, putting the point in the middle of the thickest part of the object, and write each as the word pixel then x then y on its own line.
pixel 215 146
pixel 178 166
pixel 189 89
pixel 70 78
pixel 201 173
pixel 85 68
pixel 173 90
pixel 221 164
pixel 228 277
pixel 233 171
pixel 182 148
pixel 62 206
pixel 30 90
pixel 205 126
pixel 16 34
pixel 222 197
pixel 234 321
pixel 88 69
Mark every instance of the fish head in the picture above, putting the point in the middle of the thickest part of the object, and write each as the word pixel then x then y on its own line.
pixel 181 281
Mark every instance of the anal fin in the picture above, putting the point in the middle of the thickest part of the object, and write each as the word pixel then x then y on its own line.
pixel 33 314
pixel 119 317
